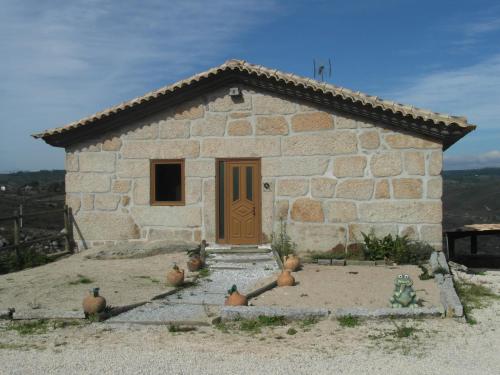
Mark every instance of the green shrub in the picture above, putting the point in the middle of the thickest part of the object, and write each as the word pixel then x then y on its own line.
pixel 398 249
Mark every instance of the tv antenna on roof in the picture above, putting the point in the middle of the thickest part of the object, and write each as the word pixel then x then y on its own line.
pixel 322 69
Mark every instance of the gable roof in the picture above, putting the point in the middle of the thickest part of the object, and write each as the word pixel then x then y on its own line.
pixel 446 128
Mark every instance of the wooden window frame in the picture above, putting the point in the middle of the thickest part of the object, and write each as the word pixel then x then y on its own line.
pixel 152 183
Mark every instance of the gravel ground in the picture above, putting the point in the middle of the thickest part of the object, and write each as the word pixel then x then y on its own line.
pixel 437 346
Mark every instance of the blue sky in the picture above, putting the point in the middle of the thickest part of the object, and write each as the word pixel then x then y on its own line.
pixel 63 60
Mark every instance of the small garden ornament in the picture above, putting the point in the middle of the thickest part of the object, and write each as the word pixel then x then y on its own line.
pixel 404 294
pixel 176 276
pixel 93 303
pixel 291 262
pixel 286 279
pixel 235 298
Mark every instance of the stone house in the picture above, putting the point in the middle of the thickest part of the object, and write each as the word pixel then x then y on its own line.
pixel 224 154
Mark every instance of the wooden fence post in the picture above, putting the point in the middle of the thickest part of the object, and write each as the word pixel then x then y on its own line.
pixel 17 238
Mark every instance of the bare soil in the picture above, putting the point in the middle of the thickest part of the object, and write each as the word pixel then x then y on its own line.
pixel 61 285
pixel 335 287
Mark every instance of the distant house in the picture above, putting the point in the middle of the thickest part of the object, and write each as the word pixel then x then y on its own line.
pixel 224 154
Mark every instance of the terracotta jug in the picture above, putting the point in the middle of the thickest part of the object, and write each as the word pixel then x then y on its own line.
pixel 286 279
pixel 235 298
pixel 194 263
pixel 291 262
pixel 93 303
pixel 176 276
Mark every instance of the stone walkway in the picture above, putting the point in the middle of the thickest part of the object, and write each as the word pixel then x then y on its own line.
pixel 201 302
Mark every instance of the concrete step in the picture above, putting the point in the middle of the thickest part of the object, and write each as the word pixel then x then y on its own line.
pixel 240 259
pixel 254 250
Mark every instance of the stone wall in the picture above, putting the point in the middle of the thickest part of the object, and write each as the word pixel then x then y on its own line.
pixel 331 176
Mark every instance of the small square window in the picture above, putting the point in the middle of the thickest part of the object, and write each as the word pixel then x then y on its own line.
pixel 167 182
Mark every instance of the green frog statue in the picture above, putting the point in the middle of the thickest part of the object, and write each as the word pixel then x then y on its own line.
pixel 404 294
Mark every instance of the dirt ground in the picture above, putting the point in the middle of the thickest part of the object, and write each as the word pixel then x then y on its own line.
pixel 61 285
pixel 350 286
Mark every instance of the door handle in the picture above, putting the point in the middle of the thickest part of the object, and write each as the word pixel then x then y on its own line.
pixel 253 210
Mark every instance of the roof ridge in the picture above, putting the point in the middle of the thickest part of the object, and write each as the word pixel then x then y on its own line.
pixel 244 66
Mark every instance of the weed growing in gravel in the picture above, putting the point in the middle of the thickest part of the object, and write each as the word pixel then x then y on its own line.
pixel 152 279
pixel 308 322
pixel 255 325
pixel 174 328
pixel 204 272
pixel 81 280
pixel 441 270
pixel 29 328
pixel 473 296
pixel 291 331
pixel 221 326
pixel 348 321
pixel 425 273
pixel 403 331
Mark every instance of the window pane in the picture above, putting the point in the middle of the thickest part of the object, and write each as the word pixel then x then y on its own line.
pixel 168 184
pixel 236 183
pixel 221 199
pixel 249 183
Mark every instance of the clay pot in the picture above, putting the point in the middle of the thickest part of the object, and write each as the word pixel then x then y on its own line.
pixel 194 263
pixel 93 303
pixel 235 298
pixel 291 262
pixel 175 277
pixel 286 279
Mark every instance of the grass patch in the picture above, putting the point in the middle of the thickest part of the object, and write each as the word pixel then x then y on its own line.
pixel 473 296
pixel 308 322
pixel 82 279
pixel 291 331
pixel 255 325
pixel 348 321
pixel 6 346
pixel 403 332
pixel 30 327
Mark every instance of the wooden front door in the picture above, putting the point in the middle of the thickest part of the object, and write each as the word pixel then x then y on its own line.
pixel 240 192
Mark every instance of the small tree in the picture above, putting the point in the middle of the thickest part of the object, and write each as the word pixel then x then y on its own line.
pixel 281 242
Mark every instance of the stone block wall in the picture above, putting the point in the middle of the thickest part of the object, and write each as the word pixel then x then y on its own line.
pixel 331 176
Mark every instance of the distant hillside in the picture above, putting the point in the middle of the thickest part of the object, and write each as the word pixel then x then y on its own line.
pixel 471 196
pixel 21 178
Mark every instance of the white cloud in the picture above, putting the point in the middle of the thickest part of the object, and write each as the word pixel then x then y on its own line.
pixel 487 159
pixel 472 91
pixel 65 59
